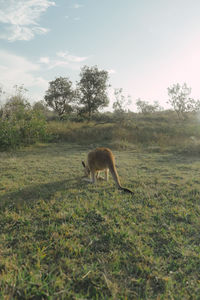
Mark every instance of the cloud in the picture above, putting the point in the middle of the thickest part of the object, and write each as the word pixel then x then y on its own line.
pixel 17 70
pixel 77 6
pixel 57 63
pixel 44 60
pixel 71 58
pixel 63 59
pixel 20 18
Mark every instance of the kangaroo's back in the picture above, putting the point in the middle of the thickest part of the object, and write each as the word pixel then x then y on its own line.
pixel 100 159
pixel 103 158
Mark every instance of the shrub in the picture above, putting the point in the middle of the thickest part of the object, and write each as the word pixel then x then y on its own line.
pixel 20 124
pixel 9 135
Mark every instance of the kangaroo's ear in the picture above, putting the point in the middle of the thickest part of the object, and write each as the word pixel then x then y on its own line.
pixel 83 164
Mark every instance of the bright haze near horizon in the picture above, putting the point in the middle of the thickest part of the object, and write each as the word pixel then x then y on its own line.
pixel 145 45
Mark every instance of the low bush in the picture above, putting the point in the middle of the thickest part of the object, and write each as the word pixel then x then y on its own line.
pixel 20 125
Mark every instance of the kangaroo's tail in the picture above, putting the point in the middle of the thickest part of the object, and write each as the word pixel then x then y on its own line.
pixel 115 176
pixel 126 190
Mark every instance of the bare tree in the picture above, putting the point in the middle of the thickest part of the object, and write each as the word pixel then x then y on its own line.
pixel 179 98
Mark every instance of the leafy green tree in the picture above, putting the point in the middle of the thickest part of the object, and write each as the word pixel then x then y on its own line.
pixel 60 95
pixel 92 89
pixel 179 98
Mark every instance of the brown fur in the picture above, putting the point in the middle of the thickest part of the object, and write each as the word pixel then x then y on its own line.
pixel 102 159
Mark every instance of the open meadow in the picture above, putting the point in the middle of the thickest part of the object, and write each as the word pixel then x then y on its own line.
pixel 61 238
pixel 80 75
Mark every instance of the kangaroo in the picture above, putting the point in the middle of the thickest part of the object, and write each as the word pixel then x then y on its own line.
pixel 102 159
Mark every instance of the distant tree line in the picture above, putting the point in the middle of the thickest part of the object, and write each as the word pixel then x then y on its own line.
pixel 23 123
pixel 90 95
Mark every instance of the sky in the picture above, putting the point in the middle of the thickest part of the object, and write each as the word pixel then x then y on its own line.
pixel 145 45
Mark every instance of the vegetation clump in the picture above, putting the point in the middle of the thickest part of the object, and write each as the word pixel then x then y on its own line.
pixel 20 124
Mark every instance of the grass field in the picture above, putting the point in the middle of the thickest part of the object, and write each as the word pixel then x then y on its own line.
pixel 61 238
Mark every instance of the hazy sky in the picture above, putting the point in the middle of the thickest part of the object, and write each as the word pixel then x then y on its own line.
pixel 146 45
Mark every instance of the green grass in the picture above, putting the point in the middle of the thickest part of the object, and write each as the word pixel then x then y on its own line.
pixel 61 238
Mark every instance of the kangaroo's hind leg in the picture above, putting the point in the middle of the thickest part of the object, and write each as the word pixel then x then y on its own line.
pixel 106 174
pixel 93 175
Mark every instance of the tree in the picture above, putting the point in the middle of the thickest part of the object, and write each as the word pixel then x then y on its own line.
pixel 16 104
pixel 121 102
pixel 40 106
pixel 145 108
pixel 92 89
pixel 1 97
pixel 1 92
pixel 60 95
pixel 180 100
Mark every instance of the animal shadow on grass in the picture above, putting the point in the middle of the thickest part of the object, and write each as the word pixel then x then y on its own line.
pixel 32 193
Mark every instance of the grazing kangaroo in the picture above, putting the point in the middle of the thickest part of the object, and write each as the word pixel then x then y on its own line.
pixel 102 159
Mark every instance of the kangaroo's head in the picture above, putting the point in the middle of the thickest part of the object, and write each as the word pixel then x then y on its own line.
pixel 86 170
